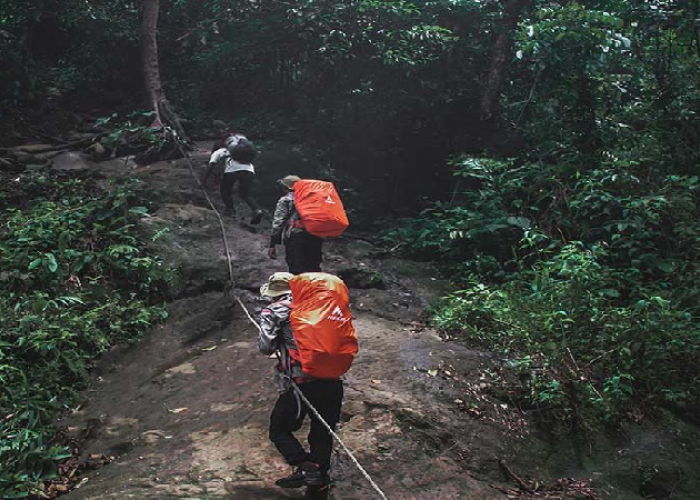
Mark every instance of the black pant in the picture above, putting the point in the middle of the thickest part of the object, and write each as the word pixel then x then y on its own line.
pixel 303 252
pixel 327 397
pixel 245 187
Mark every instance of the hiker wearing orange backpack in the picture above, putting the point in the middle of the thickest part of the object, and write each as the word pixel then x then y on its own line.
pixel 310 211
pixel 303 251
pixel 315 343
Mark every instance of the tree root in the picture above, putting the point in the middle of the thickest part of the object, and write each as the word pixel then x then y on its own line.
pixel 521 483
pixel 56 148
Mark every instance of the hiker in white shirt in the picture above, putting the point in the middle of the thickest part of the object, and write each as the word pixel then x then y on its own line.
pixel 235 171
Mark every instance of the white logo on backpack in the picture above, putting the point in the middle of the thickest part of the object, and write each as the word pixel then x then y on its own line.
pixel 337 315
pixel 330 200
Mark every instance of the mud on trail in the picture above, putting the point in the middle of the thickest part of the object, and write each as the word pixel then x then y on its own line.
pixel 184 413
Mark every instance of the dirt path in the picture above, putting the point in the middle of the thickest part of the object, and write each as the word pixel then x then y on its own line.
pixel 184 413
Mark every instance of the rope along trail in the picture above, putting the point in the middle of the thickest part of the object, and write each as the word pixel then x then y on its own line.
pixel 211 204
pixel 295 387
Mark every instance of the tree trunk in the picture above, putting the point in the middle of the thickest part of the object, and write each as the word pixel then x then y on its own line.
pixel 500 58
pixel 148 36
pixel 694 23
pixel 585 120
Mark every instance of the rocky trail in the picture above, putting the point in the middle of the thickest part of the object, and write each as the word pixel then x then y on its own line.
pixel 184 413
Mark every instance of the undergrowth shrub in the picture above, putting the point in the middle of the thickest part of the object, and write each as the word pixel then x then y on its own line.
pixel 586 353
pixel 585 281
pixel 74 280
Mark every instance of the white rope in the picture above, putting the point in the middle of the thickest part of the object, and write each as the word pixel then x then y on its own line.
pixel 320 418
pixel 295 387
pixel 337 438
pixel 211 204
pixel 247 313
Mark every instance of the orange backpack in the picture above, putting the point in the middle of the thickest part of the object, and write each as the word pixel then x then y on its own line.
pixel 319 206
pixel 322 324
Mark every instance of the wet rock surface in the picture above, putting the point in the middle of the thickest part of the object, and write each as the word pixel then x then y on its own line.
pixel 185 412
pixel 362 278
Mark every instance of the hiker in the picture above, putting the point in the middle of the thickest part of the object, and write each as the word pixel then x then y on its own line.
pixel 326 395
pixel 237 169
pixel 302 249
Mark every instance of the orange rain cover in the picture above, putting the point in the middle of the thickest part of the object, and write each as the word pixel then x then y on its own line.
pixel 322 324
pixel 320 208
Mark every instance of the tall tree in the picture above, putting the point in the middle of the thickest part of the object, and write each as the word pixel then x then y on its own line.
pixel 500 57
pixel 164 115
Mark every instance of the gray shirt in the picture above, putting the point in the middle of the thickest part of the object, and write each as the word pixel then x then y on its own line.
pixel 276 335
pixel 275 329
pixel 283 220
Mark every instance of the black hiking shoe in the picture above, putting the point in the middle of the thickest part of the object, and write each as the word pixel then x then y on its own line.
pixel 257 217
pixel 320 492
pixel 306 474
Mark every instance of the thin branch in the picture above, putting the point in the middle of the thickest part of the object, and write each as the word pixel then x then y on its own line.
pixel 521 483
pixel 519 121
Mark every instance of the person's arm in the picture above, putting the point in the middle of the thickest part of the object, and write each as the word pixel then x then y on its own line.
pixel 269 328
pixel 214 160
pixel 283 212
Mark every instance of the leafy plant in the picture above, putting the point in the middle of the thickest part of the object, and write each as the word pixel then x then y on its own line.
pixel 75 280
pixel 586 275
pixel 130 130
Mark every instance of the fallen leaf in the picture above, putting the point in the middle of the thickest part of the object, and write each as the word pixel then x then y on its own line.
pixel 178 410
pixel 374 381
pixel 432 373
pixel 210 348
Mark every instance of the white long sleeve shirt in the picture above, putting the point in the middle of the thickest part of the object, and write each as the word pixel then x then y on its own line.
pixel 232 165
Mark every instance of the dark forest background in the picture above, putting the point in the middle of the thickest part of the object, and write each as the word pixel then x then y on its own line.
pixel 545 153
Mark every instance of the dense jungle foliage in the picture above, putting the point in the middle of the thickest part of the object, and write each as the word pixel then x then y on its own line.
pixel 546 153
pixel 75 280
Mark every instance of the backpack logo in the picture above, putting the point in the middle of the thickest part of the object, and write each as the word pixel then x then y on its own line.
pixel 330 200
pixel 337 315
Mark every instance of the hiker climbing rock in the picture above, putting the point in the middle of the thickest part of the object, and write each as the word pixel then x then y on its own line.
pixel 309 211
pixel 321 311
pixel 302 250
pixel 236 153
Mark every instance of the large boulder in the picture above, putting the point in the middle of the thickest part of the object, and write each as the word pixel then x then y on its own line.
pixel 27 158
pixel 9 166
pixel 362 278
pixel 97 152
pixel 70 161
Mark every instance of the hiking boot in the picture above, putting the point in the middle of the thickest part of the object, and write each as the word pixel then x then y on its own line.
pixel 306 474
pixel 320 492
pixel 257 217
